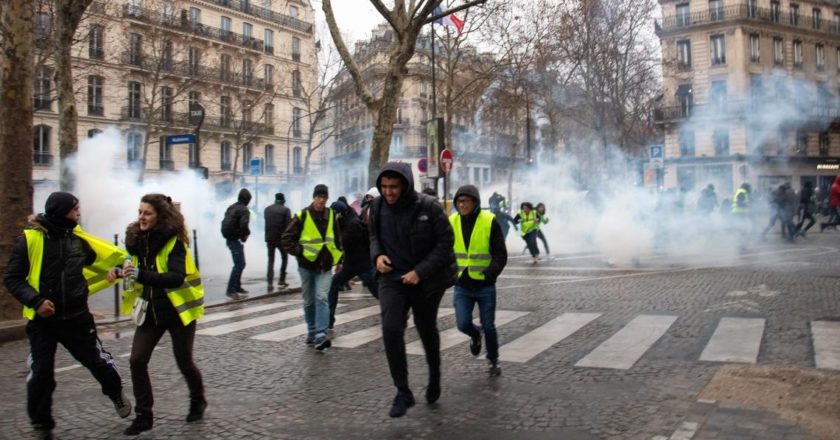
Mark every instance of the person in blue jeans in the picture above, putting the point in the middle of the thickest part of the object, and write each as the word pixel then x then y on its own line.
pixel 236 232
pixel 481 256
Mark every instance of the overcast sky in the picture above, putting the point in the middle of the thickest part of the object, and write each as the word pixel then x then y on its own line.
pixel 355 18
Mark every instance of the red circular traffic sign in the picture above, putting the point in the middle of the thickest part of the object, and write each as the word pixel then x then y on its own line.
pixel 423 165
pixel 446 161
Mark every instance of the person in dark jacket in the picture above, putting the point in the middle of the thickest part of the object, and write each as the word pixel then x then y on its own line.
pixel 411 244
pixel 314 237
pixel 277 217
pixel 159 223
pixel 481 253
pixel 235 231
pixel 806 209
pixel 57 301
pixel 356 245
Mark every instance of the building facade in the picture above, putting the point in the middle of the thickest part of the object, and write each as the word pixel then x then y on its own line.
pixel 141 66
pixel 751 92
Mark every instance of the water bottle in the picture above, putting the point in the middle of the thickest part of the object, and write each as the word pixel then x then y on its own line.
pixel 128 282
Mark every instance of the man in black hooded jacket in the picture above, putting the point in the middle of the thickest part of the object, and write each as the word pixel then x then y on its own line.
pixel 58 303
pixel 236 232
pixel 411 244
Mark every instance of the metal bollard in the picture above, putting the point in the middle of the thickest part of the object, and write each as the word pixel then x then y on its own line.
pixel 195 249
pixel 116 289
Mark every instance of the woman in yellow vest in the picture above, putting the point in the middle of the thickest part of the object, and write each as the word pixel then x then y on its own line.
pixel 167 278
pixel 528 222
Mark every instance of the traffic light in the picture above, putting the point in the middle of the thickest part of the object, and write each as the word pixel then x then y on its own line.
pixel 529 160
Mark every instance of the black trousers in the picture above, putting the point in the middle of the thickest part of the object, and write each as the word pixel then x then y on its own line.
pixel 145 339
pixel 544 241
pixel 368 277
pixel 531 241
pixel 78 336
pixel 284 256
pixel 395 300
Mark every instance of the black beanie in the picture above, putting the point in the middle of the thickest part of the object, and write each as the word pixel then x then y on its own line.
pixel 59 204
pixel 339 207
pixel 279 198
pixel 321 190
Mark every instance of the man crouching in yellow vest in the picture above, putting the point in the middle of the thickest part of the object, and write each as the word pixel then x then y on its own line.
pixel 481 255
pixel 53 268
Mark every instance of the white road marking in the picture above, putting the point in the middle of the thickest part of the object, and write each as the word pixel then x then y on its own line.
pixel 453 336
pixel 301 329
pixel 361 337
pixel 623 349
pixel 826 336
pixel 249 323
pixel 540 339
pixel 735 340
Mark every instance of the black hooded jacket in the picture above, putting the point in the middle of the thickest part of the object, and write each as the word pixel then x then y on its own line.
pixel 354 238
pixel 498 250
pixel 146 246
pixel 61 281
pixel 414 233
pixel 237 217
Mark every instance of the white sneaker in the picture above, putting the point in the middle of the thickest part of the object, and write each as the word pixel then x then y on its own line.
pixel 122 405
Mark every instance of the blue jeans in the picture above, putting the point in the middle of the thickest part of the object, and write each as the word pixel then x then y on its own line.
pixel 464 300
pixel 237 251
pixel 314 286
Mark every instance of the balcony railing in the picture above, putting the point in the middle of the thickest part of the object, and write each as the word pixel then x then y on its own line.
pixel 184 24
pixel 42 159
pixel 266 14
pixel 823 112
pixel 96 53
pixel 42 103
pixel 743 12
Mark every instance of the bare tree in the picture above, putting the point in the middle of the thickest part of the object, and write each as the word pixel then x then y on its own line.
pixel 248 120
pixel 17 38
pixel 407 21
pixel 317 105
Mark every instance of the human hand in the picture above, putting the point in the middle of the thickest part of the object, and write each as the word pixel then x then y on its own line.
pixel 128 271
pixel 338 268
pixel 113 274
pixel 411 278
pixel 46 309
pixel 383 264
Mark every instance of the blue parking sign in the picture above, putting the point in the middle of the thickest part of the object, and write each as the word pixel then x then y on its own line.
pixel 656 152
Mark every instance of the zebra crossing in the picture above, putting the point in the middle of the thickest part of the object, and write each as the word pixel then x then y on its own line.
pixel 735 339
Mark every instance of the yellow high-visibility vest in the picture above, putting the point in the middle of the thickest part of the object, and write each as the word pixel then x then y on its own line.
pixel 478 257
pixel 188 298
pixel 96 275
pixel 738 209
pixel 312 240
pixel 528 221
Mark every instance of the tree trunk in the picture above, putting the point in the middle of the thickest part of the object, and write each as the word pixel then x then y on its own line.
pixel 15 135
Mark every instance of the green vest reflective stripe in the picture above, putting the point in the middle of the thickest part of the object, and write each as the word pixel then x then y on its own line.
pixel 477 258
pixel 312 240
pixel 96 275
pixel 738 209
pixel 528 222
pixel 188 298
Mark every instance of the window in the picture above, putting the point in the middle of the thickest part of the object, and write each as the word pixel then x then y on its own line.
pixel 134 8
pixel 165 155
pixel 135 49
pixel 293 12
pixel 269 76
pixel 778 51
pixel 397 145
pixel 752 8
pixel 296 87
pixel 824 143
pixel 134 145
pixel 247 113
pixel 247 31
pixel 687 143
pixel 836 23
pixel 193 99
pixel 95 95
pixel 166 104
pixel 781 141
pixel 801 142
pixel 819 54
pixel 721 140
pixel 718 50
pixel 756 90
pixel 41 146
pixel 225 28
pixel 225 67
pixel 715 10
pixel 195 16
pixel 838 59
pixel 794 15
pixel 296 160
pixel 775 11
pixel 268 117
pixel 296 122
pixel 194 60
pixel 134 99
pixel 95 36
pixel 166 56
pixel 683 15
pixel 295 49
pixel 755 50
pixel 247 155
pixel 167 11
pixel 225 112
pixel 797 53
pixel 247 72
pixel 224 155
pixel 717 95
pixel 42 89
pixel 269 159
pixel 684 54
pixel 269 41
pixel 43 27
pixel 816 18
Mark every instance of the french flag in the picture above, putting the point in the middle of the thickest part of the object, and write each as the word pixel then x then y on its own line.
pixel 449 20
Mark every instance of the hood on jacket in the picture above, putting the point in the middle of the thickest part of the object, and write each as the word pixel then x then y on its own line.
pixel 469 191
pixel 373 191
pixel 403 171
pixel 244 196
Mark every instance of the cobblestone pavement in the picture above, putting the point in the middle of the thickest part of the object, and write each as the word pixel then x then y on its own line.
pixel 279 388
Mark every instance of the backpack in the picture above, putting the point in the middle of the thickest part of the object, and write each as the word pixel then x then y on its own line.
pixel 229 225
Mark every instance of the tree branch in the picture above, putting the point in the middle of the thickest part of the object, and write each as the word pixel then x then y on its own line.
pixel 352 68
pixel 453 10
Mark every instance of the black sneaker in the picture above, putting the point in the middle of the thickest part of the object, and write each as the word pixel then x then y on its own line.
pixel 232 295
pixel 495 369
pixel 322 343
pixel 122 405
pixel 402 403
pixel 197 408
pixel 475 344
pixel 43 434
pixel 433 391
pixel 242 291
pixel 310 340
pixel 283 284
pixel 139 425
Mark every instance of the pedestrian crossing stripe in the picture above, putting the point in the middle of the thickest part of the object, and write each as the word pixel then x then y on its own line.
pixel 734 339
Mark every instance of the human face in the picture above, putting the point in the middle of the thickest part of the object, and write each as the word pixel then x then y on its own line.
pixel 147 217
pixel 74 213
pixel 391 189
pixel 319 202
pixel 465 204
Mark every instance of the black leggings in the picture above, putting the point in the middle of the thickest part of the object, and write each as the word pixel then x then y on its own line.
pixel 531 241
pixel 145 339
